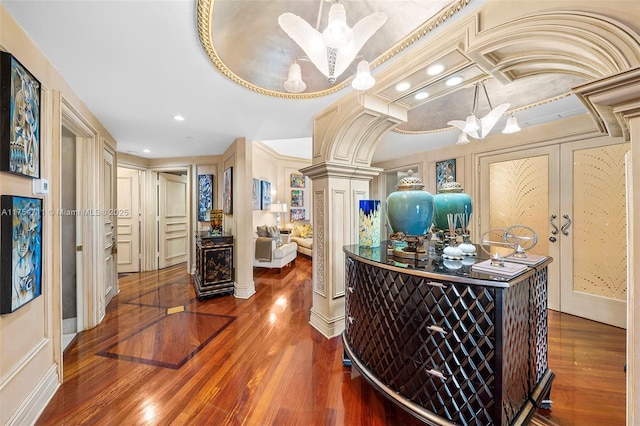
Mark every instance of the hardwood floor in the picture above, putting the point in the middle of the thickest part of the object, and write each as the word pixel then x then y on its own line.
pixel 163 357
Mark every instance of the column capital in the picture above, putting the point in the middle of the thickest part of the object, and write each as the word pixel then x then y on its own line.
pixel 341 170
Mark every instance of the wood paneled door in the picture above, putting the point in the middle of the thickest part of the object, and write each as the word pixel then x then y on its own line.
pixel 128 220
pixel 173 239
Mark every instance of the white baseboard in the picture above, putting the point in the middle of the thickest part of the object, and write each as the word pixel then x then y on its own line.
pixel 244 292
pixel 328 328
pixel 33 406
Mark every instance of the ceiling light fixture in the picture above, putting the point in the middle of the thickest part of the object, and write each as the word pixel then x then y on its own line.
pixel 363 79
pixel 421 95
pixel 453 81
pixel 475 127
pixel 333 50
pixel 435 69
pixel 337 34
pixel 512 125
pixel 294 83
pixel 462 139
pixel 178 118
pixel 401 87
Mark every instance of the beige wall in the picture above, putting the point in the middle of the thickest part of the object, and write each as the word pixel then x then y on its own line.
pixel 30 347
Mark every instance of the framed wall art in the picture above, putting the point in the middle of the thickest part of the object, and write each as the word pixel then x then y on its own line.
pixel 444 169
pixel 255 194
pixel 20 118
pixel 297 181
pixel 205 197
pixel 297 214
pixel 265 193
pixel 297 198
pixel 227 191
pixel 20 251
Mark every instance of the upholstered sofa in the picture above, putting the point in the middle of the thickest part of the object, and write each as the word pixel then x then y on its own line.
pixel 302 235
pixel 277 256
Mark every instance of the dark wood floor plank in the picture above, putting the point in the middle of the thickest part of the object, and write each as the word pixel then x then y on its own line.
pixel 270 367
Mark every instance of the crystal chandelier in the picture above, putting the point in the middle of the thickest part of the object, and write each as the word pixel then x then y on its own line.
pixel 335 48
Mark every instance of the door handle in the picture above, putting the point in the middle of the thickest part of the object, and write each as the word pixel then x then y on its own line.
pixel 566 224
pixel 553 225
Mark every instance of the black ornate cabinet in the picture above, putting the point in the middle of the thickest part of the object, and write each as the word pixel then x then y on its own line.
pixel 448 346
pixel 214 265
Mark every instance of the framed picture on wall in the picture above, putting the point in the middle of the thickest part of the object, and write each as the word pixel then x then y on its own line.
pixel 255 194
pixel 298 214
pixel 444 170
pixel 205 197
pixel 297 198
pixel 20 118
pixel 297 181
pixel 20 252
pixel 227 191
pixel 265 191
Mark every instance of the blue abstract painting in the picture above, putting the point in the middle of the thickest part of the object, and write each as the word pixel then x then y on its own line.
pixel 20 98
pixel 20 252
pixel 205 197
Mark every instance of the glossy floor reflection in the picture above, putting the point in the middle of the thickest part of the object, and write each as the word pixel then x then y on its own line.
pixel 268 366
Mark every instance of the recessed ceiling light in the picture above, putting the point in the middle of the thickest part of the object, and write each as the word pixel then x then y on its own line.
pixel 435 69
pixel 178 118
pixel 146 150
pixel 421 95
pixel 453 81
pixel 401 87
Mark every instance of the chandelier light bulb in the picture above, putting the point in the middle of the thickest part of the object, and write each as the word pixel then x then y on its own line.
pixel 363 79
pixel 337 34
pixel 512 125
pixel 294 83
pixel 462 139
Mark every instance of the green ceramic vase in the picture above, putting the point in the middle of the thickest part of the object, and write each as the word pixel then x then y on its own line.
pixel 410 208
pixel 452 200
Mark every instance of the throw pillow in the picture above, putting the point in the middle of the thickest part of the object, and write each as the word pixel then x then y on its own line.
pixel 262 231
pixel 275 234
pixel 305 231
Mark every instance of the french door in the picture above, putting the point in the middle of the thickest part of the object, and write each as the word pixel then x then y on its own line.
pixel 573 196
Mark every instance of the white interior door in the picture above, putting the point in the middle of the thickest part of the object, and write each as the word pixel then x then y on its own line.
pixel 128 220
pixel 172 219
pixel 108 217
pixel 573 196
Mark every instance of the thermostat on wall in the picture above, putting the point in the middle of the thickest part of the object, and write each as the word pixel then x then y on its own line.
pixel 40 186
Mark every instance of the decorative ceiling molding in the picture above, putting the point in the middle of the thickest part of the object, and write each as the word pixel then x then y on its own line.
pixel 578 43
pixel 205 11
pixel 542 55
pixel 612 100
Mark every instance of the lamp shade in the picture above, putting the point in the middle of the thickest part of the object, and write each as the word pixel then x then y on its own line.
pixel 512 125
pixel 279 207
pixel 337 34
pixel 294 83
pixel 363 79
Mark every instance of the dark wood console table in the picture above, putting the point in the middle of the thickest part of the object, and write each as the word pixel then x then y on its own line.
pixel 450 346
pixel 214 265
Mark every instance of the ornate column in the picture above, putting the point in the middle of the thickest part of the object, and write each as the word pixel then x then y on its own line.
pixel 344 139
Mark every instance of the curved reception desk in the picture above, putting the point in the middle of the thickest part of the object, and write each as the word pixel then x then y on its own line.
pixel 450 346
